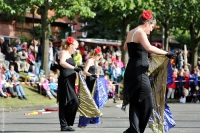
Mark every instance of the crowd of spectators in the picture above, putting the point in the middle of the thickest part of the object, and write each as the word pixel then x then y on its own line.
pixel 24 57
pixel 185 86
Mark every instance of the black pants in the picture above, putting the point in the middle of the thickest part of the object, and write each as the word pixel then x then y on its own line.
pixel 67 113
pixel 139 114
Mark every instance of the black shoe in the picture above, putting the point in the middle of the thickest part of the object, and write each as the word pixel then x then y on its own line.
pixel 67 128
pixel 20 98
pixel 127 131
pixel 25 98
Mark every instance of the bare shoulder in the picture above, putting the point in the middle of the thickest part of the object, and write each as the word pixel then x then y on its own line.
pixel 64 54
pixel 89 61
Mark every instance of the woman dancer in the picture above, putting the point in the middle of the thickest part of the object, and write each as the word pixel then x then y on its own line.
pixel 90 68
pixel 137 89
pixel 67 98
pixel 89 71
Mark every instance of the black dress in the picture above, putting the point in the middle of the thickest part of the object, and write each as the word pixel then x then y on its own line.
pixel 136 80
pixel 137 88
pixel 89 79
pixel 67 98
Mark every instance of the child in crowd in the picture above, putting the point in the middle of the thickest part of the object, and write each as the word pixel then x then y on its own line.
pixel 111 89
pixel 187 76
pixel 172 87
pixel 196 95
pixel 41 74
pixel 180 84
pixel 47 90
pixel 53 86
pixel 2 91
pixel 193 80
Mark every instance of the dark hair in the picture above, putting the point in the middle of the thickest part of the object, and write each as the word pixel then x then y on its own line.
pixel 142 20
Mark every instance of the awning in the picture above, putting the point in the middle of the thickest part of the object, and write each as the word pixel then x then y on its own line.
pixel 101 42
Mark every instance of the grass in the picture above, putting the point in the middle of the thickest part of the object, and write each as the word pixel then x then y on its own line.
pixel 34 98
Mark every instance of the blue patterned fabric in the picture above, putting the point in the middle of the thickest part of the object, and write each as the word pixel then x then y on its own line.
pixel 100 97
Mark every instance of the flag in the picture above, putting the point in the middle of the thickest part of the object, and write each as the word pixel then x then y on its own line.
pixel 100 92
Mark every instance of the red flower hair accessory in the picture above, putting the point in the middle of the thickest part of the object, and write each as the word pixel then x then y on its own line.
pixel 70 40
pixel 147 14
pixel 97 50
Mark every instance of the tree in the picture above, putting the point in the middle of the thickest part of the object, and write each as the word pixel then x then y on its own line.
pixel 165 11
pixel 123 14
pixel 189 19
pixel 62 8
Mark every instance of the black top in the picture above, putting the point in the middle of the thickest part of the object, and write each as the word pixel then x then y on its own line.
pixel 66 84
pixel 89 79
pixel 64 72
pixel 136 80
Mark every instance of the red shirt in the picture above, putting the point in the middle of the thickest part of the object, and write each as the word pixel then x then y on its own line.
pixel 82 49
pixel 173 85
pixel 187 80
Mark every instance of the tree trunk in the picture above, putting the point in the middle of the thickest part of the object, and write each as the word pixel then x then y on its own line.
pixel 125 30
pixel 194 55
pixel 195 42
pixel 45 37
pixel 166 32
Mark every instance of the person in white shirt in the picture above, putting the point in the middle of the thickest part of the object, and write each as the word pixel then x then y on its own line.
pixel 51 58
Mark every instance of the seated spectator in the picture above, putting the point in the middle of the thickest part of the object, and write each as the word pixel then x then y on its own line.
pixel 41 74
pixel 47 90
pixel 18 45
pixel 55 75
pixel 32 75
pixel 2 91
pixel 10 72
pixel 17 87
pixel 19 63
pixel 9 58
pixel 34 48
pixel 8 87
pixel 23 57
pixel 53 86
pixel 196 95
pixel 2 70
pixel 31 58
pixel 24 46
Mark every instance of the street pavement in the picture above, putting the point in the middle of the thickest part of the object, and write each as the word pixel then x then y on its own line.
pixel 13 120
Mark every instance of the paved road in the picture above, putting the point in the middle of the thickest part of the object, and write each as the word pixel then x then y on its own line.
pixel 187 117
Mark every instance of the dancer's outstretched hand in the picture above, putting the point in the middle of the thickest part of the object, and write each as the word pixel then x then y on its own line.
pixel 94 75
pixel 170 55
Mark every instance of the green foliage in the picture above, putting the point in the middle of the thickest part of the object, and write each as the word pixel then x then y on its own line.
pixel 113 16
